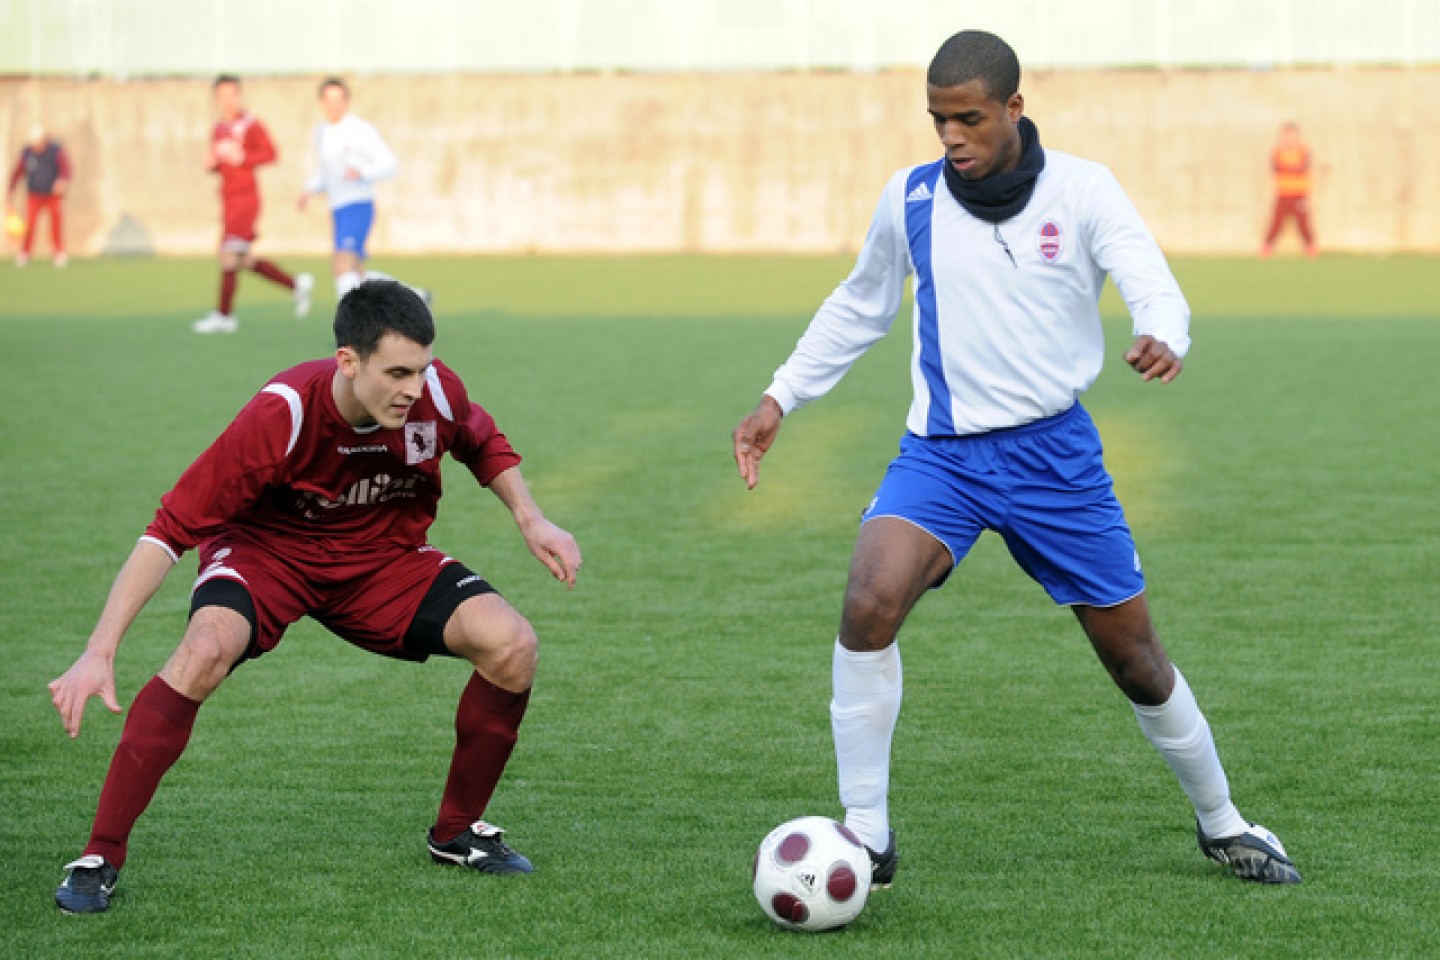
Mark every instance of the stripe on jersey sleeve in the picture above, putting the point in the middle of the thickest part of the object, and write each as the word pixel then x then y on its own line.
pixel 297 410
pixel 174 557
pixel 918 214
pixel 437 393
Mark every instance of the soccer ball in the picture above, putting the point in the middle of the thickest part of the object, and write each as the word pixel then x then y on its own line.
pixel 812 874
pixel 14 224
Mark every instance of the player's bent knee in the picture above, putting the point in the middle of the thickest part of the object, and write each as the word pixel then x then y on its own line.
pixel 496 639
pixel 866 607
pixel 872 616
pixel 1141 670
pixel 522 652
pixel 214 641
pixel 511 663
pixel 1144 680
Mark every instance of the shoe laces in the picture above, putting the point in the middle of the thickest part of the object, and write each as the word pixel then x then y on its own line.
pixel 91 861
pixel 488 836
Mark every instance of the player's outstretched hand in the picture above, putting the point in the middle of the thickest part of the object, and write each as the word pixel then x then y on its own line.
pixel 1153 359
pixel 754 436
pixel 555 548
pixel 91 675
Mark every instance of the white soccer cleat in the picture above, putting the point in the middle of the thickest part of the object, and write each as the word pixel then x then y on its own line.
pixel 216 322
pixel 304 287
pixel 61 260
pixel 22 259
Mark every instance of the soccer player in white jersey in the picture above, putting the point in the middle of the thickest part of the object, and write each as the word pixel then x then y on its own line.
pixel 1009 244
pixel 347 158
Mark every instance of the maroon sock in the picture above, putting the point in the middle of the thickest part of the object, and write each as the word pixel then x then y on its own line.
pixel 274 274
pixel 227 291
pixel 486 725
pixel 156 731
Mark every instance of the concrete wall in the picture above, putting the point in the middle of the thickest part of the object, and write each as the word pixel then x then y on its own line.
pixel 724 163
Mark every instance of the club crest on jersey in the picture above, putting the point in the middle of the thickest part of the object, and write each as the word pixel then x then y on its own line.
pixel 421 442
pixel 1050 241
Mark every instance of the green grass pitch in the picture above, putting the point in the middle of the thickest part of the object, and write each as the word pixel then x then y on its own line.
pixel 1283 492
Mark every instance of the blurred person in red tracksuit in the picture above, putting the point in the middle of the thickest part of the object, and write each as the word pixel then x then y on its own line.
pixel 1290 161
pixel 45 168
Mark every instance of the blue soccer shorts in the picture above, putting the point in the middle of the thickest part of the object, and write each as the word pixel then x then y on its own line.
pixel 352 227
pixel 1042 486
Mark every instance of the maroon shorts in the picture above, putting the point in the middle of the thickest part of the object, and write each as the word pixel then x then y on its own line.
pixel 370 600
pixel 1288 208
pixel 239 215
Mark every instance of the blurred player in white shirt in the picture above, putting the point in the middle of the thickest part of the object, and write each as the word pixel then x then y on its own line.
pixel 347 158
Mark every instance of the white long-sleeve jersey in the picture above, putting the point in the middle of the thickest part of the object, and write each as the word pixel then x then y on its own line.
pixel 1007 321
pixel 350 144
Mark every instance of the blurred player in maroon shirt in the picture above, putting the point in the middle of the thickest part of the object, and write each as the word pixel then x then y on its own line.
pixel 316 501
pixel 239 144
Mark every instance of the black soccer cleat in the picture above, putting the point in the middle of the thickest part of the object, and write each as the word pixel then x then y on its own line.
pixel 1254 854
pixel 87 886
pixel 479 848
pixel 883 864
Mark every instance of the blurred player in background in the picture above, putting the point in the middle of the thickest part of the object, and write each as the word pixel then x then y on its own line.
pixel 1290 164
pixel 238 145
pixel 45 168
pixel 1009 244
pixel 316 501
pixel 347 158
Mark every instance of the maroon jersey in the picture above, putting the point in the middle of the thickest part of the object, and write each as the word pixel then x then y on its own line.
pixel 292 470
pixel 246 138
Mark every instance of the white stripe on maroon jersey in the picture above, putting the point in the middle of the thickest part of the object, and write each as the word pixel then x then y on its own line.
pixel 437 393
pixel 297 410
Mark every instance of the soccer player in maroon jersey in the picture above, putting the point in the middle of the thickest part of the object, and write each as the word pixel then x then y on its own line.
pixel 239 144
pixel 316 501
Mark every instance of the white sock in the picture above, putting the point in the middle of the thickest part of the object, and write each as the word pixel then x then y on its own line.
pixel 1178 730
pixel 346 282
pixel 866 705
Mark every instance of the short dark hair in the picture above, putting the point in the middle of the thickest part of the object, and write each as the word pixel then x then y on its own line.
pixel 377 307
pixel 976 55
pixel 334 82
pixel 225 78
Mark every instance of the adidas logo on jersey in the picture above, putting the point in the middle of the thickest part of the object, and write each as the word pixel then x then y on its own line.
pixel 920 193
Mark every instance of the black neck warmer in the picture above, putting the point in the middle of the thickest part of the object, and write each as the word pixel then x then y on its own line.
pixel 1000 196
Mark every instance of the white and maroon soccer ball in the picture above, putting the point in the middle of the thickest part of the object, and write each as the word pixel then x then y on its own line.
pixel 812 874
